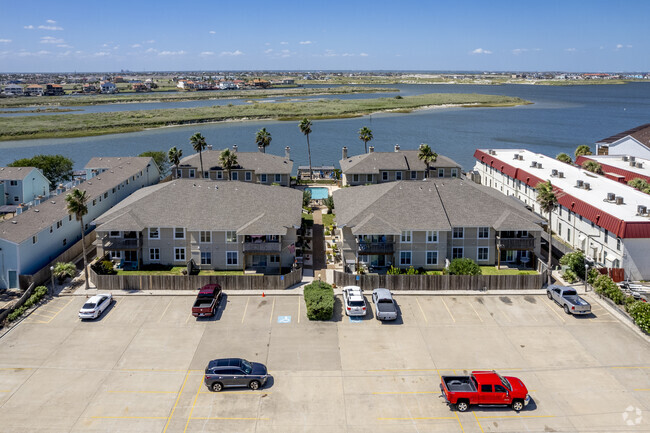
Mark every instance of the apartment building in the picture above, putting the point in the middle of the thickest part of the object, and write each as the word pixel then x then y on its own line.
pixel 22 185
pixel 634 142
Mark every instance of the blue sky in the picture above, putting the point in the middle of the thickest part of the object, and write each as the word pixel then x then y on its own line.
pixel 329 35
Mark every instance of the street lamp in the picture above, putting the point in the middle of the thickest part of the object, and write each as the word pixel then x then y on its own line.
pixel 52 278
pixel 586 274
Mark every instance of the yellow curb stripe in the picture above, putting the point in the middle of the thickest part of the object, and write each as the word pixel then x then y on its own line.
pixel 421 310
pixel 405 392
pixel 144 392
pixel 228 418
pixel 245 308
pixel 459 423
pixel 196 396
pixel 416 418
pixel 129 417
pixel 272 309
pixel 515 416
pixel 478 422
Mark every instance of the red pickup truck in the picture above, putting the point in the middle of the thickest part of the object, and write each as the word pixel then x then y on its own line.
pixel 484 388
pixel 207 301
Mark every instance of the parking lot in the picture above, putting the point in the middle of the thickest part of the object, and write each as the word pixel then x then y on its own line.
pixel 139 368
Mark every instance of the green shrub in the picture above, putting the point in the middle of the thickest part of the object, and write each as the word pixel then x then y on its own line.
pixel 103 267
pixel 640 312
pixel 464 266
pixel 411 271
pixel 34 299
pixel 319 300
pixel 393 270
pixel 569 276
pixel 575 262
pixel 605 286
pixel 306 198
pixel 592 275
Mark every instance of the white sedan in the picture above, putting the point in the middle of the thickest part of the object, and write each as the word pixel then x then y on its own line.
pixel 95 306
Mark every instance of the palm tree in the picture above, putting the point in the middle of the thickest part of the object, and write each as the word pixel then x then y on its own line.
pixel 547 203
pixel 228 160
pixel 582 150
pixel 174 155
pixel 427 156
pixel 365 135
pixel 263 139
pixel 563 157
pixel 63 270
pixel 305 128
pixel 199 145
pixel 593 167
pixel 76 204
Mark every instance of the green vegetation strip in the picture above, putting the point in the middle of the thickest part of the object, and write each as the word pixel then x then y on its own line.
pixel 492 270
pixel 84 100
pixel 79 125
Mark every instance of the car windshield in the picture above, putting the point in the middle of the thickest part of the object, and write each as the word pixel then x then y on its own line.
pixel 246 366
pixel 357 303
pixel 570 293
pixel 89 306
pixel 504 382
pixel 385 301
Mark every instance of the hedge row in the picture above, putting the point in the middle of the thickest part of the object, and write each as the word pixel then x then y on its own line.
pixel 319 299
pixel 638 310
pixel 38 294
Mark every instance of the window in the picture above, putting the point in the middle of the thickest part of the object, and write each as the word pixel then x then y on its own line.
pixel 605 257
pixel 274 259
pixel 559 228
pixel 406 236
pixel 441 172
pixel 34 239
pixel 405 258
pixel 115 255
pixel 369 178
pixel 206 258
pixel 486 388
pixel 219 174
pixel 432 257
pixel 231 258
pixel 616 263
pixel 618 244
pixel 568 216
pixel 192 173
pixel 13 183
pixel 454 172
pixel 105 195
pixel 16 198
pixel 154 233
pixel 231 236
pixel 398 175
pixel 483 232
pixel 179 233
pixel 457 253
pixel 606 234
pixel 205 237
pixel 247 176
pixel 206 175
pixel 432 237
pixel 499 388
pixel 483 254
pixel 94 202
pixel 459 233
pixel 414 175
pixel 113 234
pixel 263 178
pixel 65 242
pixel 568 235
pixel 355 178
pixel 69 218
pixel 179 254
pixel 278 178
pixel 235 175
pixel 384 175
pixel 154 254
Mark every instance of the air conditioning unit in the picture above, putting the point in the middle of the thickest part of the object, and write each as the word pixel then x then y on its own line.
pixel 641 210
pixel 619 199
pixel 587 186
pixel 539 165
pixel 561 175
pixel 579 183
pixel 625 158
pixel 521 157
pixel 490 152
pixel 533 164
pixel 632 158
pixel 554 172
pixel 632 163
pixel 639 165
pixel 611 196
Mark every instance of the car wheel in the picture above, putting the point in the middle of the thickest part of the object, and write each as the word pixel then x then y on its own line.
pixel 462 406
pixel 566 309
pixel 549 295
pixel 517 405
pixel 216 387
pixel 254 385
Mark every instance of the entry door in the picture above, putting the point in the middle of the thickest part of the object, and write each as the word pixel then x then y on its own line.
pixel 493 395
pixel 13 279
pixel 511 256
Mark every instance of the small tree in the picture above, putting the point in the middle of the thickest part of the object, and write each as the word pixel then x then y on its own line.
pixel 306 198
pixel 160 159
pixel 199 144
pixel 464 266
pixel 263 139
pixel 547 203
pixel 575 262
pixel 365 135
pixel 305 128
pixel 564 157
pixel 174 155
pixel 583 150
pixel 63 271
pixel 640 184
pixel 228 161
pixel 329 202
pixel 76 205
pixel 427 156
pixel 593 167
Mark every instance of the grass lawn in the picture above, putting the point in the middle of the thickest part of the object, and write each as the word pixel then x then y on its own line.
pixel 221 273
pixel 176 270
pixel 308 218
pixel 492 270
pixel 328 219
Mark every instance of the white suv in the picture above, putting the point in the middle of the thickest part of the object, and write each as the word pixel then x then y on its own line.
pixel 353 300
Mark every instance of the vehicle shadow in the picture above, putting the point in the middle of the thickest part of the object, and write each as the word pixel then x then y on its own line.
pixel 337 314
pixel 500 409
pixel 103 315
pixel 218 313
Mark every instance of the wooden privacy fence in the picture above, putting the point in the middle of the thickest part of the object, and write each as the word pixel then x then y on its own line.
pixel 193 282
pixel 441 282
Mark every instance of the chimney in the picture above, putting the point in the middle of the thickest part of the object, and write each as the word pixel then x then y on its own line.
pixel 234 148
pixel 397 148
pixel 60 189
pixel 371 149
pixel 344 153
pixel 287 153
pixel 21 208
pixel 37 200
pixel 260 148
pixel 209 147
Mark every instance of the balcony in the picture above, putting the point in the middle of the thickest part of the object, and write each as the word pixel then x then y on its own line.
pixel 262 247
pixel 370 248
pixel 109 243
pixel 525 243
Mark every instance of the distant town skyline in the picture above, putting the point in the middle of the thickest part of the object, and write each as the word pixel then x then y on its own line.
pixel 354 35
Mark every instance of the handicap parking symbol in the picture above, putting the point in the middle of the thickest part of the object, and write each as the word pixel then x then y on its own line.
pixel 284 319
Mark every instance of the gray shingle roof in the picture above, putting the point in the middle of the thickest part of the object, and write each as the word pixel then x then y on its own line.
pixel 374 162
pixel 257 161
pixel 25 225
pixel 14 173
pixel 434 204
pixel 250 209
pixel 110 162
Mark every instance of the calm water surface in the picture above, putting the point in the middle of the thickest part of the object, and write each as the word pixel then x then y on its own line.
pixel 561 118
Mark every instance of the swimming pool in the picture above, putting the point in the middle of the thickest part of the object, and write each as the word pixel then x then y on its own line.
pixel 318 193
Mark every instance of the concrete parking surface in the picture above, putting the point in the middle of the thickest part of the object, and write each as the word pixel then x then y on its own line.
pixel 139 368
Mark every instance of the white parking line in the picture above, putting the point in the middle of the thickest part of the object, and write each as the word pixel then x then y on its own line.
pixel 245 308
pixel 448 310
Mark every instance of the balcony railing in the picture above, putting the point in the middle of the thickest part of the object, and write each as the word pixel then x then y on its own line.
pixel 109 243
pixel 375 247
pixel 262 247
pixel 516 243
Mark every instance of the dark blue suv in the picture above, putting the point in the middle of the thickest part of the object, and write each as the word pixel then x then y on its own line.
pixel 235 372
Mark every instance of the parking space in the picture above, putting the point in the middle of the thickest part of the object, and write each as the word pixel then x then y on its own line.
pixel 140 367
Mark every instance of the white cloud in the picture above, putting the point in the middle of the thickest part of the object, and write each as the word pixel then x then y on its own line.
pixel 364 54
pixel 330 53
pixel 102 54
pixel 481 51
pixel 570 50
pixel 5 41
pixel 285 53
pixel 269 51
pixel 619 46
pixel 50 21
pixel 212 32
pixel 305 42
pixel 629 46
pixel 51 40
pixel 231 53
pixel 151 50
pixel 36 54
pixel 284 43
pixel 65 53
pixel 56 28
pixel 29 27
pixel 171 53
pixel 347 55
pixel 136 46
pixel 64 46
pixel 518 51
pixel 150 41
pixel 207 53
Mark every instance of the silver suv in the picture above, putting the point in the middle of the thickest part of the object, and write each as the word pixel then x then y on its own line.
pixel 354 302
pixel 235 372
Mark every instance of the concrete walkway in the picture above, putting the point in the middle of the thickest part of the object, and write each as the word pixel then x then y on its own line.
pixel 318 245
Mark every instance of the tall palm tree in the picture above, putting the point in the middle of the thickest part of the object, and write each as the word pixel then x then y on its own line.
pixel 547 203
pixel 199 144
pixel 228 160
pixel 174 155
pixel 76 205
pixel 305 128
pixel 365 135
pixel 263 139
pixel 427 156
pixel 582 150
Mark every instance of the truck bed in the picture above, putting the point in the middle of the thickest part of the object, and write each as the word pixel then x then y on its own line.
pixel 459 383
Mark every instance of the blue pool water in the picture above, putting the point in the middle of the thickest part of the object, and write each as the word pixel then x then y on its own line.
pixel 318 193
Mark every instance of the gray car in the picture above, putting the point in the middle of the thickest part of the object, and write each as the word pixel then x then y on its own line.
pixel 235 372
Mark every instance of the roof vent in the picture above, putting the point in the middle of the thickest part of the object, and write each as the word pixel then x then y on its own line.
pixel 641 210
pixel 624 158
pixel 521 157
pixel 36 210
pixel 611 196
pixel 632 158
pixel 561 174
pixel 619 199
pixel 639 165
pixel 554 172
pixel 579 183
pixel 632 163
pixel 533 164
pixel 539 165
pixel 587 186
